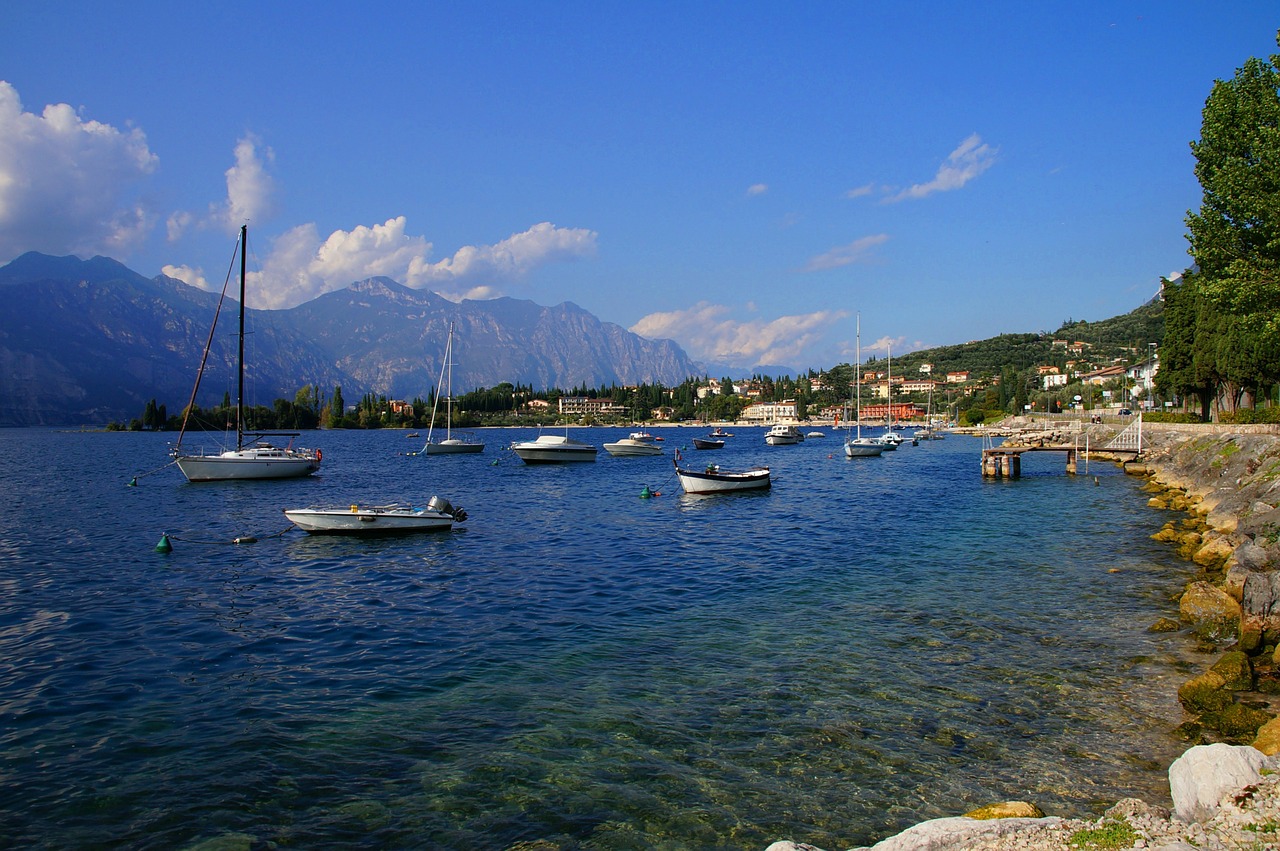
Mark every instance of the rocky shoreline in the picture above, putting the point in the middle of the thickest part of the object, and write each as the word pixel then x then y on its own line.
pixel 1224 488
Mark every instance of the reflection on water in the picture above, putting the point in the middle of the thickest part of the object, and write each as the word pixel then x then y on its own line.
pixel 869 643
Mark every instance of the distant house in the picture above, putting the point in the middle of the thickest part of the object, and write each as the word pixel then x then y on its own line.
pixel 901 411
pixel 581 405
pixel 957 377
pixel 770 412
pixel 1102 376
pixel 922 385
pixel 399 407
pixel 1054 379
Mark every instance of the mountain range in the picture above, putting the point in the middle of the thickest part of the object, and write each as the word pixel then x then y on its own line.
pixel 90 341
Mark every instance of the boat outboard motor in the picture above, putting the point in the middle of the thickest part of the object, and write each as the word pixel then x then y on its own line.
pixel 439 503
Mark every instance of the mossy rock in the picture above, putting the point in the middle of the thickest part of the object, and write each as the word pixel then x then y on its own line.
pixel 1205 694
pixel 1164 625
pixel 1157 503
pixel 1213 614
pixel 1006 809
pixel 1268 737
pixel 1213 551
pixel 1191 732
pixel 1238 723
pixel 1168 534
pixel 1235 670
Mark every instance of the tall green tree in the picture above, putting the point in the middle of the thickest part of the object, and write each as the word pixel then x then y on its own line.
pixel 1235 236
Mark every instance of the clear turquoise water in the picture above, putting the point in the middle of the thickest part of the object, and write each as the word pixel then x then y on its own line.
pixel 870 643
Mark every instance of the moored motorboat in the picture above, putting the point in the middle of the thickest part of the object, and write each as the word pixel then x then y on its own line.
pixel 553 449
pixel 639 443
pixel 891 440
pixel 811 435
pixel 398 518
pixel 707 443
pixel 718 432
pixel 783 434
pixel 714 480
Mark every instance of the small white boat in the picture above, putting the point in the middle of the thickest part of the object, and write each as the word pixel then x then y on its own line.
pixel 714 480
pixel 811 435
pixel 891 440
pixel 376 519
pixel 639 443
pixel 553 449
pixel 718 432
pixel 782 434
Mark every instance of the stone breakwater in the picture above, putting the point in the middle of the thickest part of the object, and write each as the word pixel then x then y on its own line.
pixel 1224 490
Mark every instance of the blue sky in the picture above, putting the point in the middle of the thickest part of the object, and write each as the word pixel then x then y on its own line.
pixel 740 177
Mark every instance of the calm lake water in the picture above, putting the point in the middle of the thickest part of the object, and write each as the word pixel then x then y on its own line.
pixel 871 643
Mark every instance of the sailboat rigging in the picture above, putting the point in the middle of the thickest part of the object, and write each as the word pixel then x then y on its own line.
pixel 860 447
pixel 450 445
pixel 252 459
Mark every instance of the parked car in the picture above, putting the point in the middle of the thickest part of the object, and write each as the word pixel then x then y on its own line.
pixel 1125 412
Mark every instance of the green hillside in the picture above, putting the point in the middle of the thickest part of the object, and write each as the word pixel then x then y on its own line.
pixel 1122 338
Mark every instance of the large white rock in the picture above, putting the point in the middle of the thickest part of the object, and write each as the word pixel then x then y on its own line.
pixel 956 833
pixel 1201 777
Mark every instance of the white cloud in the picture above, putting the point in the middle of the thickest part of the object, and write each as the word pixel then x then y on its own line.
pixel 843 255
pixel 68 186
pixel 860 191
pixel 188 275
pixel 250 189
pixel 708 333
pixel 177 225
pixel 300 265
pixel 962 165
pixel 476 268
pixel 757 189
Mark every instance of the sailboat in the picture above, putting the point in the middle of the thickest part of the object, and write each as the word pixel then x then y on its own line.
pixel 860 447
pixel 253 457
pixel 891 439
pixel 450 445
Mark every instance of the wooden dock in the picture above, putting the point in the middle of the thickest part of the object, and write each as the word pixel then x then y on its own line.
pixel 1005 462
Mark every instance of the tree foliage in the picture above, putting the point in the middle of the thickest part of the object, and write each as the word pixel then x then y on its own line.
pixel 1222 338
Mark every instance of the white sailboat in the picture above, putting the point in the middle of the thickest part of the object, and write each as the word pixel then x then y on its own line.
pixel 257 458
pixel 859 446
pixel 450 445
pixel 891 439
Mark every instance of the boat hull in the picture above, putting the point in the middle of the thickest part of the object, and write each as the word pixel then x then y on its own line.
pixel 452 447
pixel 553 449
pixel 543 455
pixel 863 447
pixel 247 465
pixel 628 446
pixel 705 443
pixel 358 520
pixel 715 481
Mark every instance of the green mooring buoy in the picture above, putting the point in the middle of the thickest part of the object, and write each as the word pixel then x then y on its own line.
pixel 164 546
pixel 646 493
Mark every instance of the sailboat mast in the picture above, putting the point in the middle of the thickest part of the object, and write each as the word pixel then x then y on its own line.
pixel 244 230
pixel 448 403
pixel 857 375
